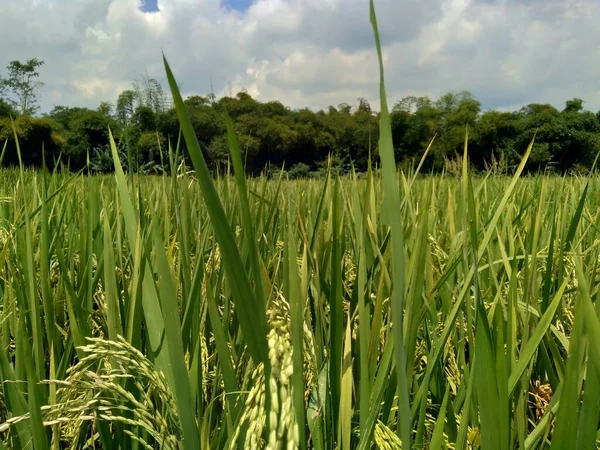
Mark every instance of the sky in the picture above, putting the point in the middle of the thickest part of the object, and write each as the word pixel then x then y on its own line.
pixel 310 53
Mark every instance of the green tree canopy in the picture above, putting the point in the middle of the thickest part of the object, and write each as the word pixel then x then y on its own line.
pixel 22 84
pixel 273 135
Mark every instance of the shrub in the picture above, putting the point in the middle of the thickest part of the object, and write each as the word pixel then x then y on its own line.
pixel 6 110
pixel 33 134
pixel 87 130
pixel 149 146
pixel 299 170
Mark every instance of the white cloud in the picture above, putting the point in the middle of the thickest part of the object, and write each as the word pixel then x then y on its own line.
pixel 311 52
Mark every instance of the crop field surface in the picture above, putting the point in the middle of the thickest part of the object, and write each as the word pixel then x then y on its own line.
pixel 115 296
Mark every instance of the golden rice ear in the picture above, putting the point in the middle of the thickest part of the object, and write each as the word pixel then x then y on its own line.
pixel 281 420
pixel 96 392
pixel 385 438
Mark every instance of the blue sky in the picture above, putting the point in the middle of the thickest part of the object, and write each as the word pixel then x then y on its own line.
pixel 239 5
pixel 149 5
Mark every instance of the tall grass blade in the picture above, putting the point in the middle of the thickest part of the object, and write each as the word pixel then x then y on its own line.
pixel 391 214
pixel 247 305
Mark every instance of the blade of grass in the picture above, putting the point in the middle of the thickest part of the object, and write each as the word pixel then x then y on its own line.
pixel 297 332
pixel 437 439
pixel 113 318
pixel 162 318
pixel 486 387
pixel 530 348
pixel 346 391
pixel 38 432
pixel 391 214
pixel 249 313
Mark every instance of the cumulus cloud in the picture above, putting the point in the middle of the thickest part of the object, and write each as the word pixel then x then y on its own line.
pixel 311 52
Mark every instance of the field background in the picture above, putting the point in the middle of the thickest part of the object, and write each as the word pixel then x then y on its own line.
pixel 75 268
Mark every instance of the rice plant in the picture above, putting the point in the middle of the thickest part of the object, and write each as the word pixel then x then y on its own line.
pixel 393 311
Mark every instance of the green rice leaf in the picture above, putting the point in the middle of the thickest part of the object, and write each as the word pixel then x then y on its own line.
pixel 248 308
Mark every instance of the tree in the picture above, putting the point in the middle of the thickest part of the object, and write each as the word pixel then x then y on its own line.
pixel 363 105
pixel 275 138
pixel 496 132
pixel 365 134
pixel 144 119
pixel 574 105
pixel 457 112
pixel 344 108
pixel 149 146
pixel 84 129
pixel 315 139
pixel 196 101
pixel 274 109
pixel 21 82
pixel 564 138
pixel 147 92
pixel 272 135
pixel 2 91
pixel 106 108
pixel 299 170
pixel 150 93
pixel 125 106
pixel 414 123
pixel 239 105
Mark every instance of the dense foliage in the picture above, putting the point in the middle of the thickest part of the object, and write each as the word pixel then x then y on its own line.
pixel 102 262
pixel 273 135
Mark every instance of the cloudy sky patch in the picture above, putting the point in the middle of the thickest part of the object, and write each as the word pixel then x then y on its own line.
pixel 310 52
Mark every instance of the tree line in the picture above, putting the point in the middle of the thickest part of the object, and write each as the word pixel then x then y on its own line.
pixel 273 136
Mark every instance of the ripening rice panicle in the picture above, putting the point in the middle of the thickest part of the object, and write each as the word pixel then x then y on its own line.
pixel 115 363
pixel 438 254
pixel 205 359
pixel 385 438
pixel 95 391
pixel 310 362
pixel 349 272
pixel 541 396
pixel 451 369
pixel 283 426
pixel 5 236
pixel 213 263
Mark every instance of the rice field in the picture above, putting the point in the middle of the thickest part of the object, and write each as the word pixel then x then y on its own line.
pixel 392 310
pixel 119 294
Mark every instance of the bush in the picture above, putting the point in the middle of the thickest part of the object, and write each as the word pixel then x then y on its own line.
pixel 299 170
pixel 101 159
pixel 149 146
pixel 6 110
pixel 33 134
pixel 88 130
